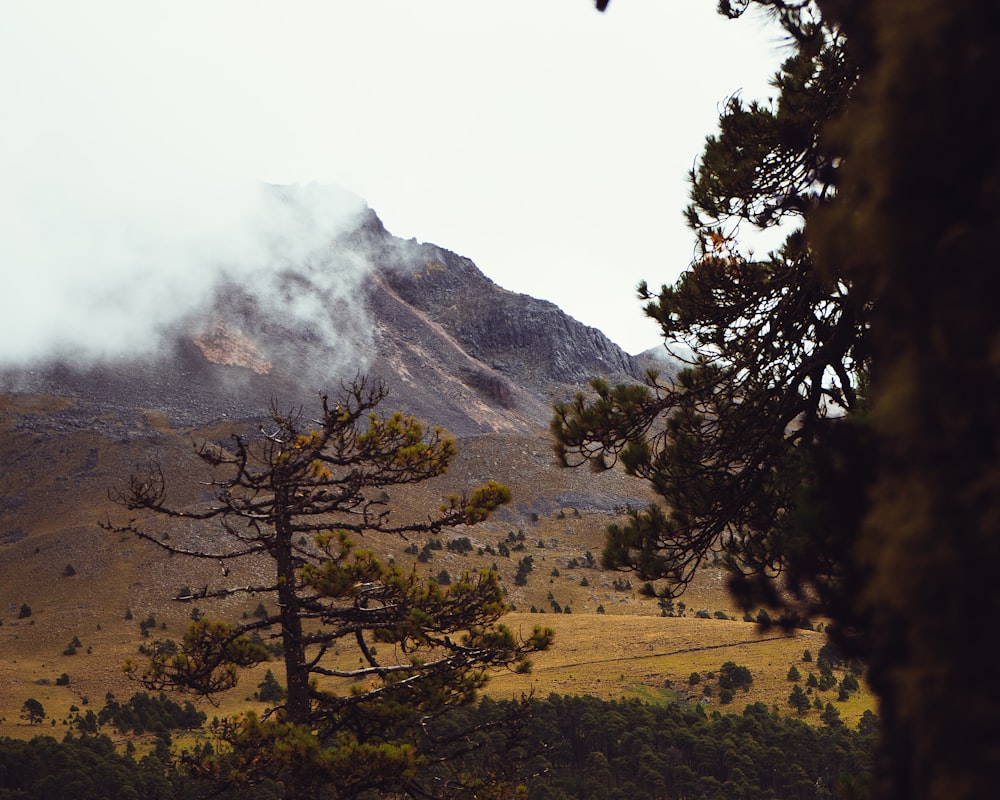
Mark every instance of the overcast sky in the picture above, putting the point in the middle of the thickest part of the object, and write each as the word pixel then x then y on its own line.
pixel 546 141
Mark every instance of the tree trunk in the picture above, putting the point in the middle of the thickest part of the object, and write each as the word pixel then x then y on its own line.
pixel 297 704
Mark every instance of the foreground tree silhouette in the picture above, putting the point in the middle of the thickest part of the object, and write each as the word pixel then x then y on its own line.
pixel 743 444
pixel 838 434
pixel 296 495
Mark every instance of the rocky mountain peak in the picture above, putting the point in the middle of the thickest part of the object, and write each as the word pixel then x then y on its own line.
pixel 451 345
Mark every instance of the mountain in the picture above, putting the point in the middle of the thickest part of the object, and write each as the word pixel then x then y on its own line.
pixel 451 345
pixel 453 348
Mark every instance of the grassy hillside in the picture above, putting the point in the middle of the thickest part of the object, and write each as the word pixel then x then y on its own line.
pixel 83 583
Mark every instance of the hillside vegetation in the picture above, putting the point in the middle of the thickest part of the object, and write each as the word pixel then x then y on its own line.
pixel 96 598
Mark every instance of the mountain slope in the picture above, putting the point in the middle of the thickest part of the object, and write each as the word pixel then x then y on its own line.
pixel 452 346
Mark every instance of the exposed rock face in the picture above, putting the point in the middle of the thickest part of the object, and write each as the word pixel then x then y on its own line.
pixel 508 354
pixel 531 340
pixel 452 346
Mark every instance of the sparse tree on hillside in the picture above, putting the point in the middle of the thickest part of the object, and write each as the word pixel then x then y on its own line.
pixel 32 711
pixel 299 495
pixel 798 700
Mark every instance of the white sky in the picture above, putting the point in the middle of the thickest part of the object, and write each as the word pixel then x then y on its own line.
pixel 546 141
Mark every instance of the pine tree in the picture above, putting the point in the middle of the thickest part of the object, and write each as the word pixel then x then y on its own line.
pixel 297 495
pixel 747 446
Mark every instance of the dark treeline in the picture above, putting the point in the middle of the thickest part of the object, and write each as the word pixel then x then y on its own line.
pixel 567 747
pixel 583 747
pixel 143 713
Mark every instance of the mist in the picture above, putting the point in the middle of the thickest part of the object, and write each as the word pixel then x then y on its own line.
pixel 101 265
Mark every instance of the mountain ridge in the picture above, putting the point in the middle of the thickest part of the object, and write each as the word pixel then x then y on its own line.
pixel 450 344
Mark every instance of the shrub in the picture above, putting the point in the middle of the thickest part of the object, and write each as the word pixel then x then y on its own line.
pixel 461 546
pixel 733 676
pixel 524 568
pixel 68 571
pixel 25 611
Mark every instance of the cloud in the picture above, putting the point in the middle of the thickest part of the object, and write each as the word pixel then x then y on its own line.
pixel 119 216
pixel 102 264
